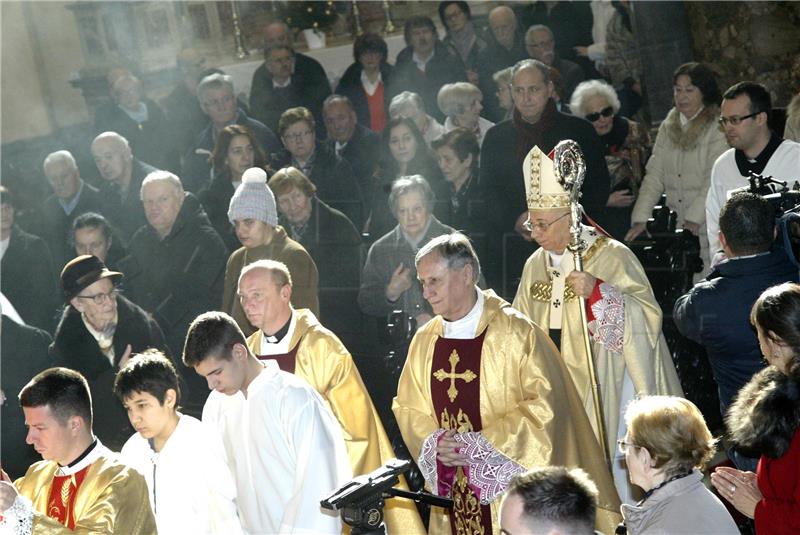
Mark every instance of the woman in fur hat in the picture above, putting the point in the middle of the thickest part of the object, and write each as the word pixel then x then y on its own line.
pixel 765 420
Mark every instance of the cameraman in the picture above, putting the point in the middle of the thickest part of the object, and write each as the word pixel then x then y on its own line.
pixel 716 312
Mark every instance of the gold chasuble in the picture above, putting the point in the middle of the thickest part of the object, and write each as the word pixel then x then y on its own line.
pixel 320 358
pixel 509 396
pixel 625 326
pixel 103 497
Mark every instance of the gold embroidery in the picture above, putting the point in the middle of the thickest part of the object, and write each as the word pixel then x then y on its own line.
pixel 598 243
pixel 65 491
pixel 466 508
pixel 466 375
pixel 459 422
pixel 543 291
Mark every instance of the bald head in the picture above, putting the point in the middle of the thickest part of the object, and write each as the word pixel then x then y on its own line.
pixel 277 33
pixel 503 24
pixel 113 157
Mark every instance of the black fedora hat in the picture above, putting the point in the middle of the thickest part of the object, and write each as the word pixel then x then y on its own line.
pixel 83 271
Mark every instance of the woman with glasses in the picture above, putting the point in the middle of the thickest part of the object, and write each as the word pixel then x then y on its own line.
pixel 687 145
pixel 334 178
pixel 98 331
pixel 666 447
pixel 765 420
pixel 626 144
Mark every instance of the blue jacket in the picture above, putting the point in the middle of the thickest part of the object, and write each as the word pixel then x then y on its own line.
pixel 716 314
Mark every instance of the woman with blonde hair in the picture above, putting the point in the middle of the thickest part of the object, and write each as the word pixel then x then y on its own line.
pixel 666 447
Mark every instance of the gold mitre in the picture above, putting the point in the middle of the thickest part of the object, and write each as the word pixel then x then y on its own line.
pixel 542 189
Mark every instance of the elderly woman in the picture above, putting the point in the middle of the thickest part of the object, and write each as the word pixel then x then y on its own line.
pixel 365 81
pixel 666 447
pixel 461 103
pixel 408 105
pixel 765 420
pixel 461 38
pixel 254 217
pixel 235 151
pixel 389 281
pixel 503 80
pixel 687 145
pixel 334 178
pixel 404 152
pixel 626 148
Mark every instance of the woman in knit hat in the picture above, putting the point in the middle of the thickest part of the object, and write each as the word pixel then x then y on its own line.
pixel 254 216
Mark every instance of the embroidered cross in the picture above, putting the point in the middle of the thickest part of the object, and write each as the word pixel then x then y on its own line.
pixel 556 303
pixel 467 375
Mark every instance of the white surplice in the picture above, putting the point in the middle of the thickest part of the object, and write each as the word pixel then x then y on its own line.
pixel 190 485
pixel 286 452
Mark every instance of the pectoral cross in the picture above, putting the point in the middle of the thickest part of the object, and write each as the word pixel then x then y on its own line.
pixel 467 376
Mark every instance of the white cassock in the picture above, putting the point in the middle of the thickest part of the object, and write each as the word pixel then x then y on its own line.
pixel 286 452
pixel 189 482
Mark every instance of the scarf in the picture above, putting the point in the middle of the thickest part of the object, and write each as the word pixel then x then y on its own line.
pixel 530 134
pixel 463 41
pixel 615 139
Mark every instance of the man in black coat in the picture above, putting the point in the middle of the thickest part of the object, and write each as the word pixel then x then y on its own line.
pixel 175 266
pixel 359 146
pixel 535 121
pixel 425 65
pixel 24 350
pixel 28 276
pixel 216 95
pixel 98 332
pixel 122 179
pixel 71 198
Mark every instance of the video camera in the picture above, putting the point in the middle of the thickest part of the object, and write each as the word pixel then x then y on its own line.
pixel 360 502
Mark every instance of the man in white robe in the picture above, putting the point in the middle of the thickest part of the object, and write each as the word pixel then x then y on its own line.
pixel 284 447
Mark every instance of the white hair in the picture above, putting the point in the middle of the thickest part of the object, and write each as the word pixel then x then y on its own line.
pixel 60 156
pixel 503 76
pixel 213 81
pixel 161 176
pixel 592 88
pixel 453 99
pixel 405 100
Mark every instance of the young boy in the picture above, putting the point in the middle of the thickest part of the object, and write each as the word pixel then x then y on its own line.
pixel 190 485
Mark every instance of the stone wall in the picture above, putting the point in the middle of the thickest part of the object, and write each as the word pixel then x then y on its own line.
pixel 749 41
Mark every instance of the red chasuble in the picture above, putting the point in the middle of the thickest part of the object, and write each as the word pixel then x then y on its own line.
pixel 455 393
pixel 286 361
pixel 61 504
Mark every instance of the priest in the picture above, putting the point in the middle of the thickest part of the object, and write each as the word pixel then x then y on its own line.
pixel 79 486
pixel 299 344
pixel 484 396
pixel 624 320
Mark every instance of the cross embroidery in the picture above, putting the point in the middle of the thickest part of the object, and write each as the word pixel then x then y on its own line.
pixel 556 303
pixel 467 376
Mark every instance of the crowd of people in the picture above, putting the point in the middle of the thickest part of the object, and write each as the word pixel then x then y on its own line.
pixel 239 246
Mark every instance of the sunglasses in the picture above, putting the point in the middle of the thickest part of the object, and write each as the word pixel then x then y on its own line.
pixel 605 112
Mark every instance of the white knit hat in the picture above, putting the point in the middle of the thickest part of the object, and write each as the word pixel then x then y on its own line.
pixel 253 199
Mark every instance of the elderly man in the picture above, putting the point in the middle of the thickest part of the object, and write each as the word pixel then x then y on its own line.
pixel 28 273
pixel 744 118
pixel 620 307
pixel 411 106
pixel 71 198
pixel 284 447
pixel 311 83
pixel 550 499
pixel 97 333
pixel 504 49
pixel 217 98
pixel 425 65
pixel 175 264
pixel 541 44
pixel 122 178
pixel 139 120
pixel 354 143
pixel 389 279
pixel 297 341
pixel 535 122
pixel 79 486
pixel 484 395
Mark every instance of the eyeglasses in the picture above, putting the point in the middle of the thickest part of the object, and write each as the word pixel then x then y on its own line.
pixel 623 446
pixel 541 226
pixel 297 137
pixel 735 119
pixel 605 112
pixel 100 298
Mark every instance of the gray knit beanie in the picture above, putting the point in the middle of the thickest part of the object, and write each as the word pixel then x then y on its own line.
pixel 253 199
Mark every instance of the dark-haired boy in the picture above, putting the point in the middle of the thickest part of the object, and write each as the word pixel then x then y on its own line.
pixel 80 485
pixel 183 461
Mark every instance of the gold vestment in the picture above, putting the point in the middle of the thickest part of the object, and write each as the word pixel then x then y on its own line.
pixel 530 410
